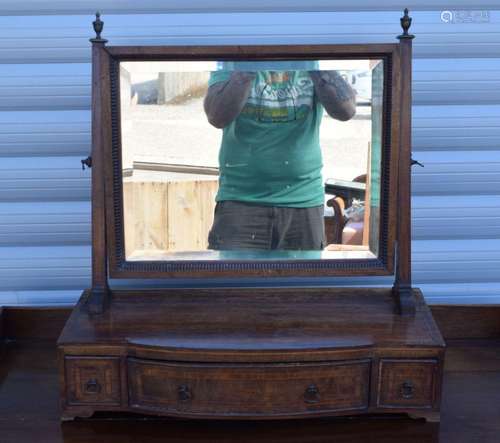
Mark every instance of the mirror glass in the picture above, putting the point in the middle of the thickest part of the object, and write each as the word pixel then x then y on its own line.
pixel 251 159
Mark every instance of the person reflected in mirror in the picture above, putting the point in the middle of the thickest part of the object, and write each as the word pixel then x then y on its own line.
pixel 271 192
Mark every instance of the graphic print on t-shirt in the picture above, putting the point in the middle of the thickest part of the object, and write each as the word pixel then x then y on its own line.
pixel 280 96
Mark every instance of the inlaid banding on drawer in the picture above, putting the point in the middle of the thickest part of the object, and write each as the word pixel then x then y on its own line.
pixel 219 390
pixel 93 380
pixel 407 383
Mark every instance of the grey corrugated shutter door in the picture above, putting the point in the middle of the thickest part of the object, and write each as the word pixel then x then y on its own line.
pixel 44 126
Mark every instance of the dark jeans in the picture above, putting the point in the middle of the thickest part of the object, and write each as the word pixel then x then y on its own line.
pixel 240 226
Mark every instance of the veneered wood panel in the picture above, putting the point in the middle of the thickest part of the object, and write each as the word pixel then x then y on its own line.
pixel 407 383
pixel 272 389
pixel 454 322
pixel 92 380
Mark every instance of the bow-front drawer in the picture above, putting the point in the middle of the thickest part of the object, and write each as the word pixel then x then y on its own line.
pixel 245 390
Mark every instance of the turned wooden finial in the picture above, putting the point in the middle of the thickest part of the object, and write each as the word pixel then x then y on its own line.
pixel 405 24
pixel 98 25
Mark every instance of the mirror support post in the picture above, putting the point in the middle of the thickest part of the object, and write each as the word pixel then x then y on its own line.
pixel 99 293
pixel 402 289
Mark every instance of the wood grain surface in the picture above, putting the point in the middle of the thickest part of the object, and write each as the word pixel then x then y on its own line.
pixel 29 410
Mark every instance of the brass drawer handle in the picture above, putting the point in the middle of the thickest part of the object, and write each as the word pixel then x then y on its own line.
pixel 92 386
pixel 407 390
pixel 311 394
pixel 183 393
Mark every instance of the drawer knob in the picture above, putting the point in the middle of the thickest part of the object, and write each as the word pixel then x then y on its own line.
pixel 92 386
pixel 407 390
pixel 183 393
pixel 311 395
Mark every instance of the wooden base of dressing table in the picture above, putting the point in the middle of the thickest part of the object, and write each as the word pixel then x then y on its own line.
pixel 251 354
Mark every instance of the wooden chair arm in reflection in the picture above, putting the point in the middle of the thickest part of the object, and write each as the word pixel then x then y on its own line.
pixel 335 226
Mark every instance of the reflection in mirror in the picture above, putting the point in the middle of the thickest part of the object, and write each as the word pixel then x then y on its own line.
pixel 236 160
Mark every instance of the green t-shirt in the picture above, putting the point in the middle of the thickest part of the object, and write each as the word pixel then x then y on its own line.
pixel 270 154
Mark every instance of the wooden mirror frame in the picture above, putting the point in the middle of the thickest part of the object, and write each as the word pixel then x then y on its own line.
pixel 108 251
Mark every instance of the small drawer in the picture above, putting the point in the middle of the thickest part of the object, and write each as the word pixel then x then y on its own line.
pixel 407 383
pixel 219 390
pixel 92 380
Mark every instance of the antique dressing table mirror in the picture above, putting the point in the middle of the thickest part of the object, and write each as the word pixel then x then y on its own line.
pixel 139 342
